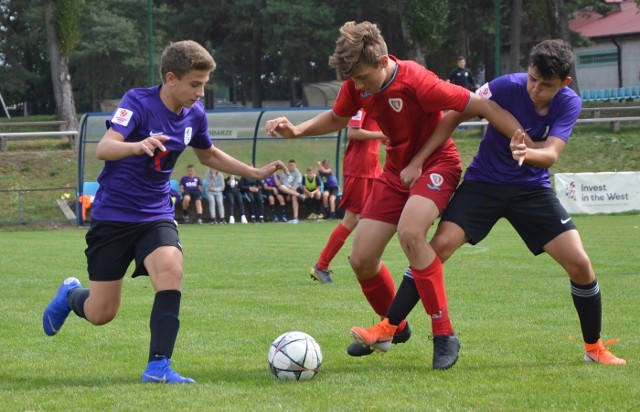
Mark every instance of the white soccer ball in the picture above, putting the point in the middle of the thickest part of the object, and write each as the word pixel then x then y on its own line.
pixel 295 356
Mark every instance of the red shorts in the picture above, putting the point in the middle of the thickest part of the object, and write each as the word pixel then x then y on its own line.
pixel 389 195
pixel 355 193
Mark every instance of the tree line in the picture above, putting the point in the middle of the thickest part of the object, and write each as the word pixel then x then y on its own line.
pixel 63 56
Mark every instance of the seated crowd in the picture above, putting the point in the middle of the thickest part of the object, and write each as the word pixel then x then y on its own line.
pixel 315 192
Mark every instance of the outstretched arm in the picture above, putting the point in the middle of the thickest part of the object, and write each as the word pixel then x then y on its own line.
pixel 324 123
pixel 217 159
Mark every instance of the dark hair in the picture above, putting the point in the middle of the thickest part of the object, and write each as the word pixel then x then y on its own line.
pixel 552 58
pixel 461 58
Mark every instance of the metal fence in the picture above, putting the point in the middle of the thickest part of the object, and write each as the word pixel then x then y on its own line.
pixel 23 206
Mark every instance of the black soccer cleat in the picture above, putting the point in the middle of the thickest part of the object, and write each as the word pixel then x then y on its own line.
pixel 445 351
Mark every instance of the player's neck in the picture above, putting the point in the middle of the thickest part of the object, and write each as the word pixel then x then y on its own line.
pixel 169 102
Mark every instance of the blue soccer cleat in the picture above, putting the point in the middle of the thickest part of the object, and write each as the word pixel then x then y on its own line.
pixel 57 311
pixel 159 371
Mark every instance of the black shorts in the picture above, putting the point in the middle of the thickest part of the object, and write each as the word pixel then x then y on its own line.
pixel 193 194
pixel 112 246
pixel 333 191
pixel 534 212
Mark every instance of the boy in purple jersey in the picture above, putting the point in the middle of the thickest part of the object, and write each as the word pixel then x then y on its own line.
pixel 191 188
pixel 510 179
pixel 133 213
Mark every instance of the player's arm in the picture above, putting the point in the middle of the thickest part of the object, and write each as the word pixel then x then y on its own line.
pixel 499 118
pixel 543 156
pixel 113 147
pixel 324 123
pixel 358 133
pixel 217 159
pixel 440 134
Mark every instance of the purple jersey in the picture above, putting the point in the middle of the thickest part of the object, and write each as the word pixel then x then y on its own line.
pixel 136 188
pixel 191 184
pixel 493 163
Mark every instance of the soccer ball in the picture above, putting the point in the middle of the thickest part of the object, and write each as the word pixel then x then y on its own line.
pixel 295 356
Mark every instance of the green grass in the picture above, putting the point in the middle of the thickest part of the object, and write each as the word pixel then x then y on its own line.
pixel 246 284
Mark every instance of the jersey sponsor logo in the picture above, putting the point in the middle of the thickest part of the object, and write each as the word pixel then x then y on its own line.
pixel 121 116
pixel 484 91
pixel 152 133
pixel 187 135
pixel 436 181
pixel 565 221
pixel 358 116
pixel 396 104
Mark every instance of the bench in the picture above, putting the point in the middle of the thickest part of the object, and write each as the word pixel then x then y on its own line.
pixel 62 124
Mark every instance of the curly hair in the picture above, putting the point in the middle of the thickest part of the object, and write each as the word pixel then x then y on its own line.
pixel 552 58
pixel 358 44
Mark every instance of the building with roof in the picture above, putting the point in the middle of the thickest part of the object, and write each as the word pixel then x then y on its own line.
pixel 612 59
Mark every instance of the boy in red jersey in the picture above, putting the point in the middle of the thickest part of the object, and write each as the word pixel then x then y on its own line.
pixel 361 166
pixel 407 102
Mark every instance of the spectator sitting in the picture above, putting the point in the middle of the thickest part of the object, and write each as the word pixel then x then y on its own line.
pixel 252 193
pixel 191 188
pixel 330 193
pixel 312 192
pixel 214 188
pixel 270 189
pixel 291 187
pixel 234 196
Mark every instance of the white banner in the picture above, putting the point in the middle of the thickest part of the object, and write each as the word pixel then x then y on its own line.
pixel 606 192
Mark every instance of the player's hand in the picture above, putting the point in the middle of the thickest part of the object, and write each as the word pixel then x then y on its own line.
pixel 270 168
pixel 518 147
pixel 150 144
pixel 281 126
pixel 410 174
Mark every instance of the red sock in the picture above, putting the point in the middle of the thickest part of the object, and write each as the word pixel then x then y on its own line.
pixel 430 284
pixel 379 290
pixel 333 246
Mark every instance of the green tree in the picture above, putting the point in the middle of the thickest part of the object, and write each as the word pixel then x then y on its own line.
pixel 25 75
pixel 61 23
pixel 112 55
pixel 300 35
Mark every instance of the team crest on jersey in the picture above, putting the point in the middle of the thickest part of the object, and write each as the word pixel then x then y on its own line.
pixel 187 135
pixel 484 91
pixel 396 104
pixel 436 181
pixel 121 116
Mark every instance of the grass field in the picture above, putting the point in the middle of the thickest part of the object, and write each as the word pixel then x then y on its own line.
pixel 246 284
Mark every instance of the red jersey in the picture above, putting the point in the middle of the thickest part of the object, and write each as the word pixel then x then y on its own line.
pixel 407 110
pixel 361 159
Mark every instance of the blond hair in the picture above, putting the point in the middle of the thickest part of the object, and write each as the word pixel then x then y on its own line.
pixel 358 44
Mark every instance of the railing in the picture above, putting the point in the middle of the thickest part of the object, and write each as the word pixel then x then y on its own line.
pixel 4 136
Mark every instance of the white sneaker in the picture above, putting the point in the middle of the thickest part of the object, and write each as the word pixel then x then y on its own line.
pixel 243 219
pixel 231 220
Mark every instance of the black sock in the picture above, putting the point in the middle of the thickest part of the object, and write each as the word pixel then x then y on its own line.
pixel 588 303
pixel 76 300
pixel 406 299
pixel 164 324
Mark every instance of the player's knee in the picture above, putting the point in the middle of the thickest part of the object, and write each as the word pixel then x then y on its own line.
pixel 410 237
pixel 102 317
pixel 580 269
pixel 361 265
